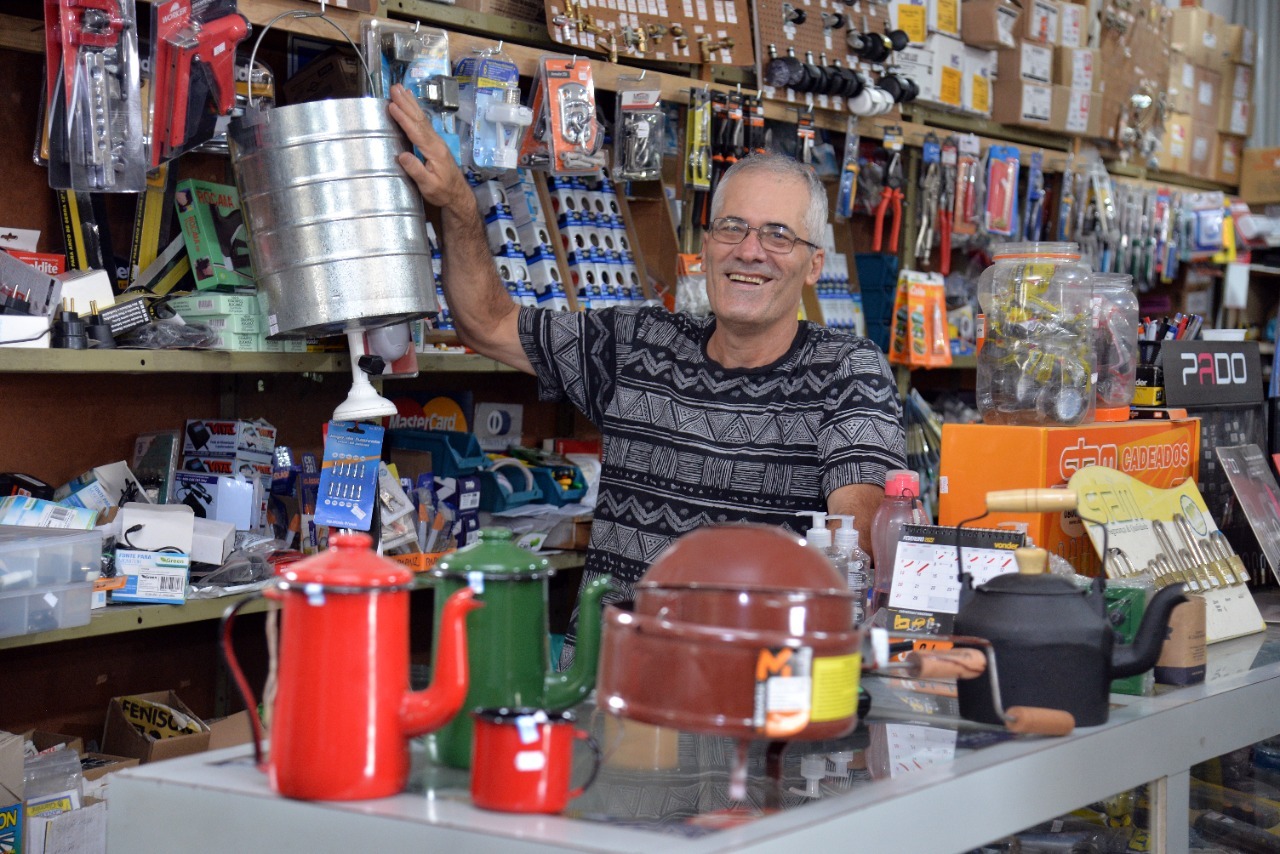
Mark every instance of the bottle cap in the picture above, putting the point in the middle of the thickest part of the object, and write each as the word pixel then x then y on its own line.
pixel 899 482
pixel 818 535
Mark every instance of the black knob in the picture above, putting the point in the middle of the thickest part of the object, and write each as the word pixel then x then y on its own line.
pixel 372 365
pixel 795 16
pixel 898 40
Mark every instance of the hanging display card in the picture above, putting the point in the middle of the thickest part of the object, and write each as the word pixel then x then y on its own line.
pixel 1164 531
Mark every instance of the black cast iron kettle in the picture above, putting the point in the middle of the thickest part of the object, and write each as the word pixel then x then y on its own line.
pixel 1053 644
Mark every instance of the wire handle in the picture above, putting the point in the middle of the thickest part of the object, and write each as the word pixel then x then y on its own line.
pixel 303 13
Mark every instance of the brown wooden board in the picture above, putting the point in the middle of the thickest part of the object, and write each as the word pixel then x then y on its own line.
pixel 586 25
pixel 810 37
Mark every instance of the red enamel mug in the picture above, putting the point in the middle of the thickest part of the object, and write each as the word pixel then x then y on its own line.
pixel 523 760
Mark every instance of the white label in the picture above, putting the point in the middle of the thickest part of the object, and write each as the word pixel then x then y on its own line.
pixel 1188 76
pixel 1006 20
pixel 530 760
pixel 1071 25
pixel 1210 39
pixel 1037 102
pixel 1037 63
pixel 1078 111
pixel 1082 69
pixel 1242 82
pixel 1204 93
pixel 1200 148
pixel 1239 117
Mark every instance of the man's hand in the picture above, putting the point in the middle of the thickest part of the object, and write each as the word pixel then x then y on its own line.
pixel 436 175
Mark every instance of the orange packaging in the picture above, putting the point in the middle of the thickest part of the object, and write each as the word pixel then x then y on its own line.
pixel 980 458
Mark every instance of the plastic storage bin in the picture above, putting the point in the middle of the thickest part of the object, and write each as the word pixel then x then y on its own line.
pixel 43 609
pixel 560 485
pixel 453 452
pixel 507 485
pixel 41 557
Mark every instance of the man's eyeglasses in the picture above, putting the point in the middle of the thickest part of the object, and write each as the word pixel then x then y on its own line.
pixel 773 236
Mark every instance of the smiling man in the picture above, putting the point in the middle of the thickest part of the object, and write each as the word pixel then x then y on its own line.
pixel 747 415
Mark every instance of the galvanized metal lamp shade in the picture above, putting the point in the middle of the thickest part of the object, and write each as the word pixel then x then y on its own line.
pixel 337 231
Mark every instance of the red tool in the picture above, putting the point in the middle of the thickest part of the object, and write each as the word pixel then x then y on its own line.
pixel 946 213
pixel 184 43
pixel 891 194
pixel 87 23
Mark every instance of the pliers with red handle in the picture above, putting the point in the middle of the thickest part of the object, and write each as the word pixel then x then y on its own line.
pixel 891 194
pixel 946 218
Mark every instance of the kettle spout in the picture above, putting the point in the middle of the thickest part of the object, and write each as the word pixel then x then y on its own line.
pixel 567 687
pixel 424 711
pixel 1140 656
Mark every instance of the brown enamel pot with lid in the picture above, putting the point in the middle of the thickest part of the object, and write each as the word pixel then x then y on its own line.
pixel 736 630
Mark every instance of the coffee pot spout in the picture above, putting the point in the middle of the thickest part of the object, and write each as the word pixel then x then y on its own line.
pixel 567 687
pixel 428 710
pixel 1140 656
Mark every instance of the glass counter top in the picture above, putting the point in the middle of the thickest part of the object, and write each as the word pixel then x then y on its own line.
pixel 913 777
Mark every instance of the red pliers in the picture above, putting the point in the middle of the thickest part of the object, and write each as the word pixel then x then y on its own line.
pixel 946 218
pixel 891 194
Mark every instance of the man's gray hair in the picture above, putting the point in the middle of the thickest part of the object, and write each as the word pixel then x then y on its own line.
pixel 815 221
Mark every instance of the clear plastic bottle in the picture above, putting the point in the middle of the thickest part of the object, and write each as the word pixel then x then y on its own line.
pixel 1036 361
pixel 1115 339
pixel 856 566
pixel 901 492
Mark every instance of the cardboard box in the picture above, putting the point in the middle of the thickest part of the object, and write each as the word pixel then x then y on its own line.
pixel 1240 44
pixel 1077 112
pixel 214 233
pixel 1229 157
pixel 1260 176
pixel 166 734
pixel 979 80
pixel 1029 61
pixel 1159 453
pixel 1040 21
pixel 1021 102
pixel 1204 100
pixel 12 791
pixel 1183 654
pixel 937 66
pixel 990 24
pixel 77 831
pixel 1235 116
pixel 1203 148
pixel 95 766
pixel 1078 68
pixel 1202 36
pixel 1073 25
pixel 44 741
pixel 1175 151
pixel 1180 86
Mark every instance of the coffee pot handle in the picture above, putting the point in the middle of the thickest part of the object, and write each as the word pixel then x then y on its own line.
pixel 246 693
pixel 597 759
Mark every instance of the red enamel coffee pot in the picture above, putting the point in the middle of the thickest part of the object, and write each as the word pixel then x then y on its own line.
pixel 343 712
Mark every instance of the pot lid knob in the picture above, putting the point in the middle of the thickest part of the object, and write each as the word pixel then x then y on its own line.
pixel 1031 560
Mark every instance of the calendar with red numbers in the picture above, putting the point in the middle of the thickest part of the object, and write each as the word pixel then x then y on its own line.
pixel 925 568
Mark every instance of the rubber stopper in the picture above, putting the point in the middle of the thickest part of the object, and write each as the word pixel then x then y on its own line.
pixel 1031 720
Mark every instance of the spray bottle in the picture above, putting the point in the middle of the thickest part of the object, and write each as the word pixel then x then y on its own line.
pixel 855 564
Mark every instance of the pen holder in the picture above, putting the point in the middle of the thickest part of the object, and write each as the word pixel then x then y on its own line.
pixel 1148 355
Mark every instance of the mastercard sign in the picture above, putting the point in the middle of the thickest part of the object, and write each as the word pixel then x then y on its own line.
pixel 438 413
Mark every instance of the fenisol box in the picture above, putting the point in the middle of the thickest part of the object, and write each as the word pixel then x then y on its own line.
pixel 979 458
pixel 225 438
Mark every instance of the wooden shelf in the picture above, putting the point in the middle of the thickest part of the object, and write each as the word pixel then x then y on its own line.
pixel 117 619
pixel 54 361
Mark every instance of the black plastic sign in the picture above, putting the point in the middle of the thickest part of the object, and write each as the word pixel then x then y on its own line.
pixel 1211 373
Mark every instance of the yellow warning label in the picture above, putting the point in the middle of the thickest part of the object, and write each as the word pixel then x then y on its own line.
pixel 835 687
pixel 948 17
pixel 981 94
pixel 949 92
pixel 911 20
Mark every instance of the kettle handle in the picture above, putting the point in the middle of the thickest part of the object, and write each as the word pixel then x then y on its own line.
pixel 246 693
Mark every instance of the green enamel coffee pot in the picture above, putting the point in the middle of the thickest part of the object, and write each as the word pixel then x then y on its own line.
pixel 508 645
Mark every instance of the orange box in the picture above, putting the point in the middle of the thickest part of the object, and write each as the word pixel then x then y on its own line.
pixel 980 458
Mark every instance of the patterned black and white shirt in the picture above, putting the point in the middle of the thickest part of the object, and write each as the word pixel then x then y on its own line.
pixel 689 443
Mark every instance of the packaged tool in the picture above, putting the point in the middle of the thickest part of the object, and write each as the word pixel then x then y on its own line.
pixel 697 145
pixel 639 130
pixel 416 57
pixel 1001 214
pixel 492 119
pixel 193 72
pixel 92 89
pixel 566 137
pixel 848 171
